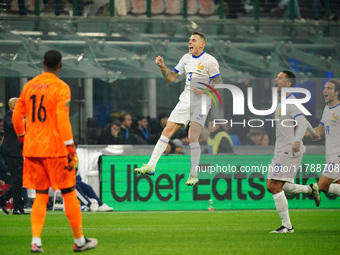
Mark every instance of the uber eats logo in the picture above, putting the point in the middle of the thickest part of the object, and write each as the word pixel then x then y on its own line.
pixel 128 186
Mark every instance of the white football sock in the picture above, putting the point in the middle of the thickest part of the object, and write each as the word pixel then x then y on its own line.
pixel 79 241
pixel 291 188
pixel 281 205
pixel 334 189
pixel 158 150
pixel 37 241
pixel 195 154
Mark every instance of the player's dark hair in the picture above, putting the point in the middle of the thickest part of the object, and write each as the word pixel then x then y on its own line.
pixel 201 35
pixel 291 76
pixel 336 86
pixel 52 58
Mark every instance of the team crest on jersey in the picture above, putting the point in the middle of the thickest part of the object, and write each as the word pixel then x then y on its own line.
pixel 200 66
pixel 334 117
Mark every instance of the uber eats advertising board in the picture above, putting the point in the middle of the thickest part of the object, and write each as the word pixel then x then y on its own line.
pixel 231 181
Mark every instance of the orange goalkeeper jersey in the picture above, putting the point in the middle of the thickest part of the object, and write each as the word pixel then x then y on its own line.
pixel 45 102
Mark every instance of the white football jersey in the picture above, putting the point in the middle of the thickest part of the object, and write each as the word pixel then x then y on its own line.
pixel 331 122
pixel 203 67
pixel 285 135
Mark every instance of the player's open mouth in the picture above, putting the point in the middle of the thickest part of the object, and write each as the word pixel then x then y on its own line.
pixel 191 48
pixel 325 96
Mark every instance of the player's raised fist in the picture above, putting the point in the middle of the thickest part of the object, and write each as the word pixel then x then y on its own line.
pixel 159 61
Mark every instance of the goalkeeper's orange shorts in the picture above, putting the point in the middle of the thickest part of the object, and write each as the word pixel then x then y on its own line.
pixel 42 173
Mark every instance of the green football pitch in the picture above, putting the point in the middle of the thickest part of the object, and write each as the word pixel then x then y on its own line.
pixel 202 232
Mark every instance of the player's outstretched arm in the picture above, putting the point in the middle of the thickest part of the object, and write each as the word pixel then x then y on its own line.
pixel 169 75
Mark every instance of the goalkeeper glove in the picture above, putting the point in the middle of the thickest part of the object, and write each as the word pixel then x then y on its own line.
pixel 21 138
pixel 72 157
pixel 21 141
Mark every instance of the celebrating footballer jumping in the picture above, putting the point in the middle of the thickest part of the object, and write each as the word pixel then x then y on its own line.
pixel 199 65
pixel 329 181
pixel 288 154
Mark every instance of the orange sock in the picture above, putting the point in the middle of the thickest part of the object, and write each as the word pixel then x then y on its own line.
pixel 73 213
pixel 38 214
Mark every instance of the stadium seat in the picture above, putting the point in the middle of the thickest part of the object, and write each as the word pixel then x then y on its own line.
pixel 92 135
pixel 92 131
pixel 138 7
pixel 157 6
pixel 192 7
pixel 57 206
pixel 173 7
pixel 206 7
pixel 92 123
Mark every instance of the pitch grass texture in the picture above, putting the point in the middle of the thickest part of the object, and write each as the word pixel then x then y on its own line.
pixel 218 232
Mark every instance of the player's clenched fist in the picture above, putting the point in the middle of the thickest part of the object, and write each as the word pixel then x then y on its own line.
pixel 72 157
pixel 159 61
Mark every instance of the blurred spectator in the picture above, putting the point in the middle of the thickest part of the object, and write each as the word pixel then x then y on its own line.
pixel 285 5
pixel 126 122
pixel 125 130
pixel 183 144
pixel 11 151
pixel 219 141
pixel 185 141
pixel 31 5
pixel 233 7
pixel 5 175
pixel 316 7
pixel 16 5
pixel 257 137
pixel 102 7
pixel 142 129
pixel 111 134
pixel 234 137
pixel 85 194
pixel 335 9
pixel 170 149
pixel 178 146
pixel 157 131
pixel 58 6
pixel 265 140
pixel 239 131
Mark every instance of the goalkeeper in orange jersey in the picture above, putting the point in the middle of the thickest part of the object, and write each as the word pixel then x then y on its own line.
pixel 41 121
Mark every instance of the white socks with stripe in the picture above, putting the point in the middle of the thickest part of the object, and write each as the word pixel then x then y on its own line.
pixel 158 151
pixel 291 188
pixel 281 205
pixel 334 189
pixel 195 154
